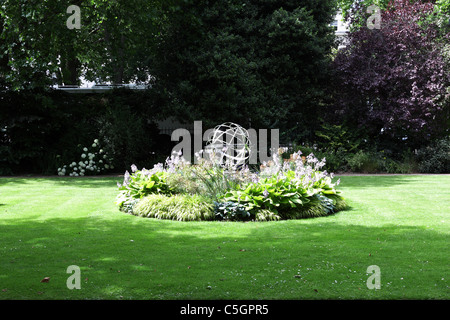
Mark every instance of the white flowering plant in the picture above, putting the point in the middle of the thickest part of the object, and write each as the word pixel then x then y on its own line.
pixel 93 160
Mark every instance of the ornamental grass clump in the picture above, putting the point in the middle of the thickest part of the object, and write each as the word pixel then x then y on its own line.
pixel 181 207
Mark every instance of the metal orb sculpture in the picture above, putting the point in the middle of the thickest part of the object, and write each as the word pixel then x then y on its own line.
pixel 229 143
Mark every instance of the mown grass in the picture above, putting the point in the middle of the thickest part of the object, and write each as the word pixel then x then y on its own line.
pixel 399 223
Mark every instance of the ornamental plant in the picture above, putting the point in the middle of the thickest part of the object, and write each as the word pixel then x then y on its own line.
pixel 394 80
pixel 283 189
pixel 93 160
pixel 140 184
pixel 287 187
pixel 231 211
pixel 274 194
pixel 181 207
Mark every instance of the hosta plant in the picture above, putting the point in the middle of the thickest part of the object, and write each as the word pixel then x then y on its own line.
pixel 272 193
pixel 140 184
pixel 231 211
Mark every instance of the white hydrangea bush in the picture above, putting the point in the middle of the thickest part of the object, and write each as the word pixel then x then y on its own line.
pixel 93 160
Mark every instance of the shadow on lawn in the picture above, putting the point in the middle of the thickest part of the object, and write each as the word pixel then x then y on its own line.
pixel 95 231
pixel 196 253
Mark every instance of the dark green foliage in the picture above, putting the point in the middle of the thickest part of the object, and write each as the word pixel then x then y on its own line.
pixel 231 211
pixel 113 44
pixel 40 131
pixel 256 63
pixel 435 158
pixel 273 194
pixel 140 184
pixel 366 162
pixel 340 138
pixel 125 122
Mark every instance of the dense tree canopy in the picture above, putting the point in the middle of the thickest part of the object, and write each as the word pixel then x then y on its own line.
pixel 259 63
pixel 395 80
pixel 113 43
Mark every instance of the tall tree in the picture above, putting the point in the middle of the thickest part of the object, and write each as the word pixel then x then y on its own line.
pixel 393 80
pixel 113 43
pixel 258 63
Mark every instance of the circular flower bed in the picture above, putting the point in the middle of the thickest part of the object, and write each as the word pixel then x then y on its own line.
pixel 282 189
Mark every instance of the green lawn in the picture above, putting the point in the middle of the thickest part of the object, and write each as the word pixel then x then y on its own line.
pixel 399 223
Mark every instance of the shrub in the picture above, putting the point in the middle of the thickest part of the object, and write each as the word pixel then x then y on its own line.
pixel 404 166
pixel 383 84
pixel 336 158
pixel 367 162
pixel 435 158
pixel 93 160
pixel 140 184
pixel 40 131
pixel 181 207
pixel 128 135
pixel 36 127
